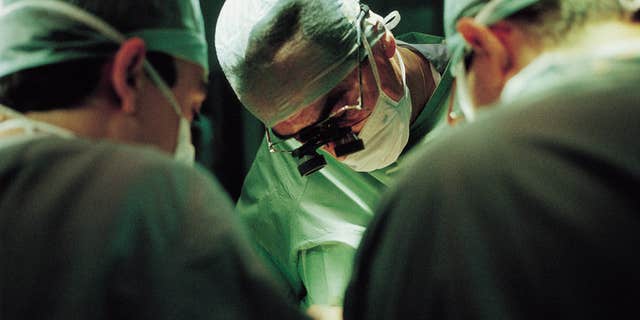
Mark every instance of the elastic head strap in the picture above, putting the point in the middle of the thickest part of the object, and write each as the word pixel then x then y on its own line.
pixel 390 22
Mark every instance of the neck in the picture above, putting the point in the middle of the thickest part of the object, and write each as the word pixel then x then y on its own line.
pixel 419 80
pixel 96 119
pixel 82 122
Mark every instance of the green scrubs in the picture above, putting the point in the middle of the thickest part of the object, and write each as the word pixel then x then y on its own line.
pixel 308 228
pixel 530 213
pixel 96 230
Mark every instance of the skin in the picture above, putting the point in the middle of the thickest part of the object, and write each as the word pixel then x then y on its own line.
pixel 502 50
pixel 347 92
pixel 499 53
pixel 322 312
pixel 127 106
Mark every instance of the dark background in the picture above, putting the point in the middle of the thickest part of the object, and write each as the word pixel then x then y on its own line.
pixel 230 136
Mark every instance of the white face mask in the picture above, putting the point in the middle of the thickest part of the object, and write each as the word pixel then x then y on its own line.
pixel 185 151
pixel 386 132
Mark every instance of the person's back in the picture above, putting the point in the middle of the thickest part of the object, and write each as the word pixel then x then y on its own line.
pixel 529 213
pixel 104 231
pixel 102 214
pixel 343 101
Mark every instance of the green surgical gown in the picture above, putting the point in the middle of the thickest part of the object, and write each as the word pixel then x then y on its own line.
pixel 97 230
pixel 308 228
pixel 532 212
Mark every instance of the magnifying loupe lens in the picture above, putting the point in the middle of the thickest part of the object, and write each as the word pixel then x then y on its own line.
pixel 311 163
pixel 348 144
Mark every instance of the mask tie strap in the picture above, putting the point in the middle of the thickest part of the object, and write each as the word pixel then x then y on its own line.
pixel 103 28
pixel 392 20
pixel 372 62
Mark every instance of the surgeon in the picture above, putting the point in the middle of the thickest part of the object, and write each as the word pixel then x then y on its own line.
pixel 492 41
pixel 530 211
pixel 343 101
pixel 102 214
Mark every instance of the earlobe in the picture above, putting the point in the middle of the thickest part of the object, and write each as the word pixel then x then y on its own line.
pixel 127 71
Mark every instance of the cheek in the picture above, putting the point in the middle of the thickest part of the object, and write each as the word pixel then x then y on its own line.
pixel 171 133
pixel 369 89
pixel 485 83
pixel 167 127
pixel 162 126
pixel 183 102
pixel 358 121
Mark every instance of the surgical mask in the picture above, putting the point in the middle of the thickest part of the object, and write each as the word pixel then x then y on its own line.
pixel 386 131
pixel 492 12
pixel 184 151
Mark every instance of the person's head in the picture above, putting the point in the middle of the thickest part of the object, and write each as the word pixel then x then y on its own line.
pixel 492 40
pixel 294 63
pixel 633 9
pixel 74 54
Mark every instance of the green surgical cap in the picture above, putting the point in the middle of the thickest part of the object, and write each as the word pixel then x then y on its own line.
pixel 493 11
pixel 281 55
pixel 35 33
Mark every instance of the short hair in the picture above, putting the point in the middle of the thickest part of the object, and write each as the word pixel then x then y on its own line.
pixel 555 21
pixel 66 85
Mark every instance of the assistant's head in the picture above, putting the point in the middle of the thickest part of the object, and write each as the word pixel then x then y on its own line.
pixel 93 55
pixel 295 63
pixel 492 41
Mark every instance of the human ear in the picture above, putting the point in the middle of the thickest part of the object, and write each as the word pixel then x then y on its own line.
pixel 489 44
pixel 492 63
pixel 388 44
pixel 127 71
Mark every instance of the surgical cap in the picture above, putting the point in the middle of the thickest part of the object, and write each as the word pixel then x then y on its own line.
pixel 36 33
pixel 457 9
pixel 281 55
pixel 630 5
